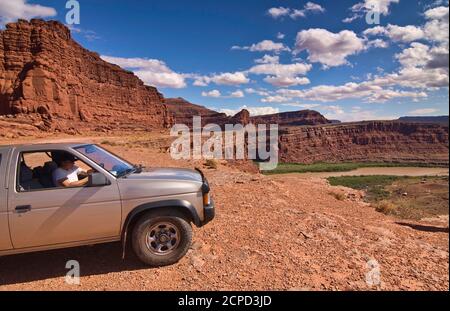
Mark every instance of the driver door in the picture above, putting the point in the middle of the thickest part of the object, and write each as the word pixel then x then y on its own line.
pixel 50 216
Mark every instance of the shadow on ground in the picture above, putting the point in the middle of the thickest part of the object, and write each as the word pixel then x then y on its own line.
pixel 424 228
pixel 94 260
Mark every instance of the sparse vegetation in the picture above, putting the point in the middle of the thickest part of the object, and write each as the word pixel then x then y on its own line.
pixel 211 164
pixel 285 168
pixel 405 197
pixel 338 196
pixel 108 143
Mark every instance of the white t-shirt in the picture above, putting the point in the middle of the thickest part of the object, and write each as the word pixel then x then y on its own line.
pixel 71 175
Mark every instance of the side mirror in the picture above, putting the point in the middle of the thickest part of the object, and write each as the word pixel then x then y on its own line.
pixel 97 179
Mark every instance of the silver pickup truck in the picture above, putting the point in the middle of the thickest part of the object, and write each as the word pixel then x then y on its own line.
pixel 154 208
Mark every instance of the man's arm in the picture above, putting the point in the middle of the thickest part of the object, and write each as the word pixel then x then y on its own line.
pixel 79 183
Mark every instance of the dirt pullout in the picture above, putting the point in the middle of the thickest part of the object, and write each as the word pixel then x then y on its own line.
pixel 269 233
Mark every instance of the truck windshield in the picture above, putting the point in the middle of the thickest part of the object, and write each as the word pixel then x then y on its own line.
pixel 110 162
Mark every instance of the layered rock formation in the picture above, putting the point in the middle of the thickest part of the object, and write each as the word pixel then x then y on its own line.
pixel 378 141
pixel 183 111
pixel 58 84
pixel 292 118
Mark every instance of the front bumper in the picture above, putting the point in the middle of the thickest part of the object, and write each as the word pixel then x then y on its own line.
pixel 209 211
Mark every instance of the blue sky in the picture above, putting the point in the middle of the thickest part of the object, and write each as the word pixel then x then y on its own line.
pixel 270 56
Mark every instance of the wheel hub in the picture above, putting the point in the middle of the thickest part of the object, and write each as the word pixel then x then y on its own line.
pixel 162 238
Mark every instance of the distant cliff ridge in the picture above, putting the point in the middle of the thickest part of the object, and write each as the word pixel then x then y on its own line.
pixel 377 141
pixel 49 77
pixel 306 136
pixel 434 119
pixel 183 111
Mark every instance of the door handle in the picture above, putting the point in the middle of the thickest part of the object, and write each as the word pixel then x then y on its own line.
pixel 23 208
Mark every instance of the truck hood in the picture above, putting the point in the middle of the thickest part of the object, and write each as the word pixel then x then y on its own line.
pixel 158 182
pixel 179 174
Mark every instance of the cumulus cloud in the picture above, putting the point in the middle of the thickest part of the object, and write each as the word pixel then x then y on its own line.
pixel 263 46
pixel 397 33
pixel 437 26
pixel 282 75
pixel 213 93
pixel 226 78
pixel 286 81
pixel 268 59
pixel 329 49
pixel 279 12
pixel 260 92
pixel 218 94
pixel 381 6
pixel 152 71
pixel 11 10
pixel 254 111
pixel 280 36
pixel 368 91
pixel 421 68
pixel 360 9
pixel 237 94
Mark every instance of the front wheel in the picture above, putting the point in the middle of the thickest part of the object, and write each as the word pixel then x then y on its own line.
pixel 161 239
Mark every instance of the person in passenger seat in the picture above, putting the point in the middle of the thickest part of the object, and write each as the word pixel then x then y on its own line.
pixel 66 175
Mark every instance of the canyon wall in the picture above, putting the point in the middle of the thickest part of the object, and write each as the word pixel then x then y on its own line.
pixel 379 141
pixel 51 82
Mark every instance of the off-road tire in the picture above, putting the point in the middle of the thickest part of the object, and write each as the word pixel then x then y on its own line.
pixel 149 220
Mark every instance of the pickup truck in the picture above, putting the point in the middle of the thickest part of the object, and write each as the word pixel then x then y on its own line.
pixel 152 208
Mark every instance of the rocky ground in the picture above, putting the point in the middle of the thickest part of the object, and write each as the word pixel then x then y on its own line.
pixel 275 233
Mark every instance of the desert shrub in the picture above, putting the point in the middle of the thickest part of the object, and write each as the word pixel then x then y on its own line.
pixel 338 196
pixel 385 207
pixel 211 163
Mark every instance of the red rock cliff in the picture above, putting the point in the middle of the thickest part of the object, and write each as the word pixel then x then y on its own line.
pixel 46 74
pixel 389 141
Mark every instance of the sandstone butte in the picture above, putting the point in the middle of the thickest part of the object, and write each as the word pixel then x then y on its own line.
pixel 49 83
pixel 57 84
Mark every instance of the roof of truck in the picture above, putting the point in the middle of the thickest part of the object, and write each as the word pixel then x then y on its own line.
pixel 44 145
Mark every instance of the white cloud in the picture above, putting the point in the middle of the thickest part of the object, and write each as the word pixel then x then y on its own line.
pixel 268 59
pixel 381 6
pixel 260 92
pixel 369 91
pixel 437 26
pixel 314 7
pixel 263 46
pixel 278 12
pixel 237 94
pixel 423 111
pixel 11 10
pixel 350 19
pixel 377 43
pixel 254 111
pixel 152 71
pixel 226 78
pixel 276 99
pixel 281 69
pixel 213 93
pixel 282 75
pixel 286 81
pixel 327 48
pixel 360 9
pixel 397 33
pixel 280 36
pixel 416 55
